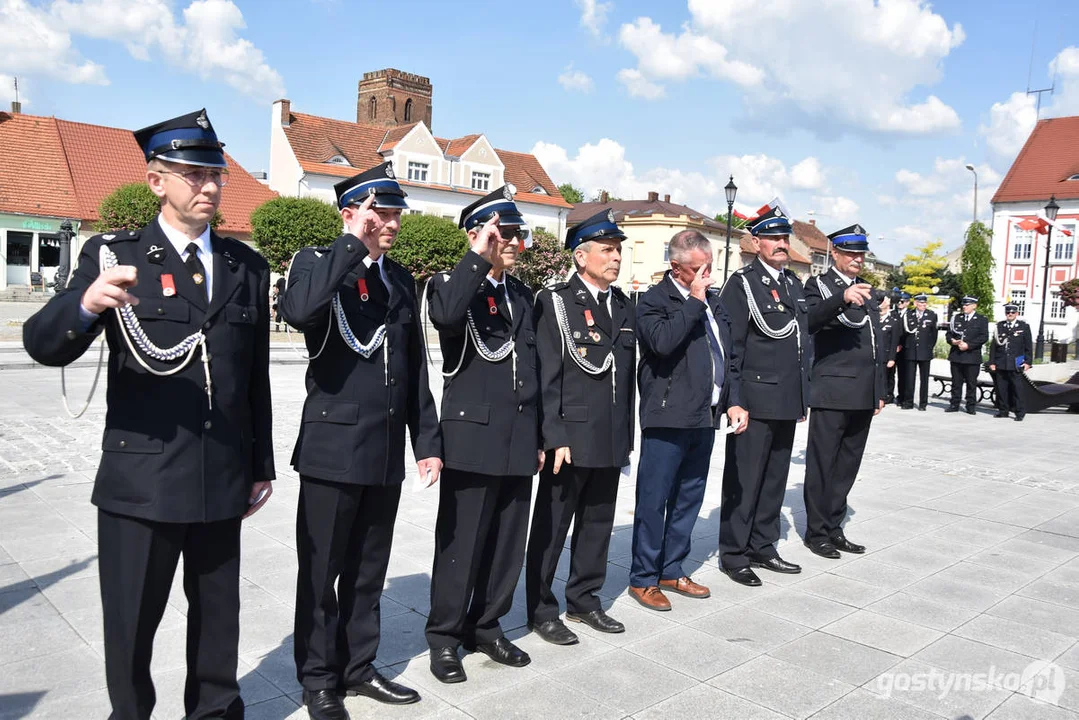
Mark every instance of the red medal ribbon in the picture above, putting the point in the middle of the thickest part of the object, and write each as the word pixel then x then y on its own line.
pixel 775 294
pixel 589 320
pixel 492 305
pixel 361 285
pixel 168 285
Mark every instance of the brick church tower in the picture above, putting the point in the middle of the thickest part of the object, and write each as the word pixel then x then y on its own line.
pixel 391 98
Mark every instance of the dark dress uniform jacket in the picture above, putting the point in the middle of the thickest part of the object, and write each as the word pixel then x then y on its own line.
pixel 579 410
pixel 975 332
pixel 489 426
pixel 773 374
pixel 675 371
pixel 357 408
pixel 848 366
pixel 918 345
pixel 166 455
pixel 892 335
pixel 1017 344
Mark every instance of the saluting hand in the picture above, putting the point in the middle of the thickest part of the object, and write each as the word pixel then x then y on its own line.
pixel 367 226
pixel 857 293
pixel 109 290
pixel 486 243
pixel 702 280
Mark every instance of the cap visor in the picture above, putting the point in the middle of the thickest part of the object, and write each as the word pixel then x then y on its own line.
pixel 204 157
pixel 389 201
pixel 511 219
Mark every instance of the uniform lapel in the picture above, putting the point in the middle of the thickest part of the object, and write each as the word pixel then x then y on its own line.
pixel 618 314
pixel 174 265
pixel 226 275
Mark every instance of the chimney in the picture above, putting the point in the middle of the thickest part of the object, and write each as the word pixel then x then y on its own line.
pixel 286 109
pixel 16 107
pixel 653 196
pixel 604 197
pixel 812 221
pixel 666 198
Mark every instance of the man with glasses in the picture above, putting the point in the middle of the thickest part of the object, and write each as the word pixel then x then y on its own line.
pixel 967 332
pixel 1010 355
pixel 187 451
pixel 366 383
pixel 919 327
pixel 491 438
pixel 771 357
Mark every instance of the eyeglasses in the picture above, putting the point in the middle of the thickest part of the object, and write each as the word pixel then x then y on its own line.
pixel 199 178
pixel 514 231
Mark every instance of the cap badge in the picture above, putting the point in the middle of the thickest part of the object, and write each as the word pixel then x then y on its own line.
pixel 202 121
pixel 778 212
pixel 389 172
pixel 507 193
pixel 610 216
pixel 108 237
pixel 765 280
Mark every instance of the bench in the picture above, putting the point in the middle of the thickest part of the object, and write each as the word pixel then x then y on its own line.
pixel 1039 395
pixel 987 389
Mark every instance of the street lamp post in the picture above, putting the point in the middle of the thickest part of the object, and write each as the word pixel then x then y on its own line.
pixel 1050 212
pixel 731 189
pixel 971 168
pixel 66 232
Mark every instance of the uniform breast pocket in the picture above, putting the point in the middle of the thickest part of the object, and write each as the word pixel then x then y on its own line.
pixel 530 343
pixel 329 434
pixel 768 378
pixel 154 309
pixel 238 314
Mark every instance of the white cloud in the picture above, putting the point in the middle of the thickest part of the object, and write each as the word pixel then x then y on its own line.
pixel 1065 66
pixel 7 92
pixel 1010 124
pixel 30 44
pixel 637 85
pixel 575 80
pixel 761 177
pixel 807 175
pixel 594 15
pixel 835 67
pixel 837 209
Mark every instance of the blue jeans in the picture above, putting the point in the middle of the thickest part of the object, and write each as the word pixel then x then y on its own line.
pixel 671 477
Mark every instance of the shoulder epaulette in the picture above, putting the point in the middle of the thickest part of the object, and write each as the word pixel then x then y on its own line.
pixel 120 236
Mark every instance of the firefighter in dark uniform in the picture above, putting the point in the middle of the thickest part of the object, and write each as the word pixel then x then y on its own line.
pixel 967 333
pixel 770 329
pixel 1008 356
pixel 919 328
pixel 846 388
pixel 491 438
pixel 187 451
pixel 587 354
pixel 892 332
pixel 366 382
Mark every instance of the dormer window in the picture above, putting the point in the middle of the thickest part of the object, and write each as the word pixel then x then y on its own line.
pixel 538 190
pixel 1074 177
pixel 338 160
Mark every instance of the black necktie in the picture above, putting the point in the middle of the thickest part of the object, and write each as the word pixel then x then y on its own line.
pixel 719 368
pixel 502 301
pixel 375 287
pixel 603 317
pixel 196 268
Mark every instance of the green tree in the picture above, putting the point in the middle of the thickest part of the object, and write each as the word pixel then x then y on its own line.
pixel 571 194
pixel 976 277
pixel 923 269
pixel 427 244
pixel 736 222
pixel 598 197
pixel 283 225
pixel 132 206
pixel 895 278
pixel 951 286
pixel 873 278
pixel 545 261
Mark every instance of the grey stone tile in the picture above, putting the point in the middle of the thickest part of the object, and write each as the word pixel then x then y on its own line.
pixel 834 657
pixel 978 532
pixel 263 629
pixel 1059 686
pixel 1002 580
pixel 932 689
pixel 897 637
pixel 22 641
pixel 281 708
pixel 484 678
pixel 402 638
pixel 1020 707
pixel 547 657
pixel 781 686
pixel 640 623
pixel 169 685
pixel 1066 544
pixel 753 630
pixel 70 543
pixel 26 605
pixel 615 680
pixel 51 705
pixel 1049 590
pixel 802 608
pixel 1070 658
pixel 276 666
pixel 1023 514
pixel 871 571
pixel 1039 546
pixel 960 655
pixel 958 593
pixel 1046 616
pixel 537 698
pixel 71 672
pixel 1020 563
pixel 1065 524
pixel 704 702
pixel 1017 637
pixel 864 705
pixel 692 652
pixel 842 590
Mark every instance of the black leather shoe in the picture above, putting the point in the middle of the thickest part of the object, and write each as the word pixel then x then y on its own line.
pixel 1019 418
pixel 324 705
pixel 446 666
pixel 906 407
pixel 384 690
pixel 823 548
pixel 842 543
pixel 555 632
pixel 503 652
pixel 922 408
pixel 777 564
pixel 1001 414
pixel 742 576
pixel 597 620
pixel 951 409
pixel 970 411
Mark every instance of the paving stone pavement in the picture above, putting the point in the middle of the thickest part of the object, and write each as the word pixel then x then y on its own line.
pixel 972 577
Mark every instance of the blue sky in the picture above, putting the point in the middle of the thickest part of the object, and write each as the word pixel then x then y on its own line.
pixel 858 111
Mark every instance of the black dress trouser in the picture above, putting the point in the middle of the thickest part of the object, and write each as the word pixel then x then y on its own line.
pixel 137 561
pixel 833 456
pixel 1008 397
pixel 586 497
pixel 480 538
pixel 909 367
pixel 964 375
pixel 343 538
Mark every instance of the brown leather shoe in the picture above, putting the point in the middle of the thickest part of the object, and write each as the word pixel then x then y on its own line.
pixel 685 586
pixel 651 597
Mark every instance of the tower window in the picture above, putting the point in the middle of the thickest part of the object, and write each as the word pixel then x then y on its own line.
pixel 372 109
pixel 408 110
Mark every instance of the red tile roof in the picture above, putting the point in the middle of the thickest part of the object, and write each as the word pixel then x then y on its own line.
pixel 811 235
pixel 65 169
pixel 1042 168
pixel 644 208
pixel 311 138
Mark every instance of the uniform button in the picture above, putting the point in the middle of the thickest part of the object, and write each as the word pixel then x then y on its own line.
pixel 161 311
pixel 123 443
pixel 71 335
pixel 244 314
pixel 461 414
pixel 393 381
pixel 207 325
pixel 758 377
pixel 520 408
pixel 520 383
pixel 349 247
pixel 209 357
pixel 475 268
pixel 323 413
pixel 391 411
pixel 207 425
pixel 390 351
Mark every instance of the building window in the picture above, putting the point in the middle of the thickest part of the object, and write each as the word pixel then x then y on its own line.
pixel 408 110
pixel 1056 307
pixel 338 160
pixel 417 172
pixel 541 228
pixel 414 211
pixel 538 190
pixel 481 181
pixel 1064 245
pixel 1019 297
pixel 372 109
pixel 1021 240
pixel 666 252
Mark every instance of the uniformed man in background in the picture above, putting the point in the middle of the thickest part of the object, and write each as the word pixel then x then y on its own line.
pixel 967 333
pixel 187 451
pixel 587 353
pixel 366 383
pixel 771 356
pixel 892 330
pixel 491 438
pixel 919 326
pixel 1010 355
pixel 846 388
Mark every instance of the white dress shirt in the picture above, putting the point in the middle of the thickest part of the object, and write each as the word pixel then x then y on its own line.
pixel 495 284
pixel 180 241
